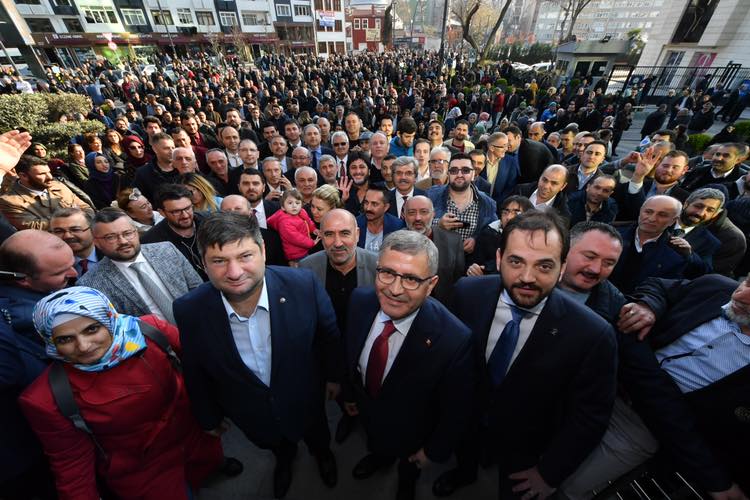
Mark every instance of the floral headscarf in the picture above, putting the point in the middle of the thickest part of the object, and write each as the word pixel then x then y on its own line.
pixel 127 339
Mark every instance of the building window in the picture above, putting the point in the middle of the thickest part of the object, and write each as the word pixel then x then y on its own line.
pixel 337 25
pixel 365 24
pixel 254 18
pixel 694 21
pixel 377 24
pixel 40 25
pixel 62 3
pixel 322 48
pixel 356 23
pixel 319 5
pixel 340 48
pixel 227 18
pixel 184 16
pixel 302 10
pixel 99 15
pixel 162 17
pixel 28 2
pixel 283 11
pixel 133 17
pixel 73 25
pixel 205 18
pixel 336 5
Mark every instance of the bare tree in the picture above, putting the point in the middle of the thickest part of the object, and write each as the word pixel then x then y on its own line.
pixel 478 23
pixel 571 8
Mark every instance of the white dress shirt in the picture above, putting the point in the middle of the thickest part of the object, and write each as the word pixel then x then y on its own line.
pixel 400 200
pixel 260 214
pixel 533 200
pixel 395 341
pixel 252 336
pixel 132 277
pixel 502 316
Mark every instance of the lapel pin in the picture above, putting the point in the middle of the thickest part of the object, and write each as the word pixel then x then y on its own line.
pixel 553 331
pixel 282 300
pixel 428 342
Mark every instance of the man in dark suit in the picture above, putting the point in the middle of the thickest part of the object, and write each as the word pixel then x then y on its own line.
pixel 707 318
pixel 654 404
pixel 254 343
pixel 394 333
pixel 548 191
pixel 271 239
pixel 533 157
pixel 595 202
pixel 500 169
pixel 588 168
pixel 405 171
pixel 375 223
pixel 529 341
pixel 418 216
pixel 312 143
pixel 724 169
pixel 652 249
pixel 252 185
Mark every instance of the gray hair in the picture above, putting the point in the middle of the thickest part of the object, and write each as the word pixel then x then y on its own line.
pixel 304 170
pixel 326 158
pixel 339 133
pixel 405 160
pixel 440 149
pixel 675 202
pixel 303 150
pixel 706 194
pixel 309 126
pixel 495 136
pixel 175 151
pixel 411 243
pixel 379 132
pixel 269 160
pixel 216 150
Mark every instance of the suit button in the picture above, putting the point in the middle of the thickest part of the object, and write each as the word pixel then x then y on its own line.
pixel 743 414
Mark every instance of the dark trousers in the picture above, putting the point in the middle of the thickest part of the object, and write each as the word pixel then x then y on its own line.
pixel 36 482
pixel 616 136
pixel 317 438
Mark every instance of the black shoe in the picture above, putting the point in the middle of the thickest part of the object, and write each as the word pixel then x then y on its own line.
pixel 369 465
pixel 449 481
pixel 231 467
pixel 327 468
pixel 282 478
pixel 344 428
pixel 407 489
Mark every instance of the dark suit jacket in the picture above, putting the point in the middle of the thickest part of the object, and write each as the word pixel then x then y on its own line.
pixel 701 177
pixel 560 203
pixel 451 267
pixel 390 224
pixel 630 204
pixel 721 408
pixel 505 180
pixel 425 401
pixel 533 158
pixel 554 404
pixel 655 397
pixel 572 182
pixel 304 338
pixel 393 208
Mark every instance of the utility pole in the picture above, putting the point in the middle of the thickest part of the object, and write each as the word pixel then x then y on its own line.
pixel 169 35
pixel 442 34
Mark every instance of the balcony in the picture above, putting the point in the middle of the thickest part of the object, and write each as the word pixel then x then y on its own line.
pixel 65 10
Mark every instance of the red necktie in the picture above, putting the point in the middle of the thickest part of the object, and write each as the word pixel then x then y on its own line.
pixel 378 359
pixel 342 169
pixel 84 266
pixel 403 206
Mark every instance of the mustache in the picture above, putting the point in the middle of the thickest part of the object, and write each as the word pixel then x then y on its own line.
pixel 526 286
pixel 402 299
pixel 590 275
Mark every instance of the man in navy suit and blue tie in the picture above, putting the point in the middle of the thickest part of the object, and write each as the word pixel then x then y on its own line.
pixel 258 343
pixel 549 365
pixel 410 364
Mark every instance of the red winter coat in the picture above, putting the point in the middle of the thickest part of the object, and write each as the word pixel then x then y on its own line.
pixel 295 231
pixel 140 414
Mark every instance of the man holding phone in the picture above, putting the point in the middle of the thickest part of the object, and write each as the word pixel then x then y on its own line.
pixel 459 205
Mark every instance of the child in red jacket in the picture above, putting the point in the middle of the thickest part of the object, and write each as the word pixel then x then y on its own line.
pixel 294 226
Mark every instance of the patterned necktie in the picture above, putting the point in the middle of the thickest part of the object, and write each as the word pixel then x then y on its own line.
pixel 342 169
pixel 162 301
pixel 378 359
pixel 403 207
pixel 84 266
pixel 499 361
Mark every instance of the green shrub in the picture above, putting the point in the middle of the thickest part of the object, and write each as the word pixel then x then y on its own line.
pixel 61 104
pixel 742 128
pixel 699 142
pixel 501 82
pixel 22 110
pixel 56 136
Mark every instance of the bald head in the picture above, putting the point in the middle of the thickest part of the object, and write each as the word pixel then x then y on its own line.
pixel 339 235
pixel 46 260
pixel 418 214
pixel 337 214
pixel 657 214
pixel 235 203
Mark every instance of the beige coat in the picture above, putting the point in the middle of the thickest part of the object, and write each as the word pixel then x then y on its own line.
pixel 26 210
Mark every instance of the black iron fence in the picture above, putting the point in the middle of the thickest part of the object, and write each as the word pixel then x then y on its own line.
pixel 658 80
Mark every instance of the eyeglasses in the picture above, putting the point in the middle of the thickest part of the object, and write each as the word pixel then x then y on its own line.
pixel 438 162
pixel 179 211
pixel 388 277
pixel 338 144
pixel 499 146
pixel 464 170
pixel 128 235
pixel 72 230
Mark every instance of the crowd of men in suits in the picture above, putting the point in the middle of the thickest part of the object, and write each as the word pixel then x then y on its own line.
pixel 521 298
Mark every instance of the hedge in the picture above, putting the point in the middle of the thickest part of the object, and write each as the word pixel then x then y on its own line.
pixel 699 142
pixel 742 128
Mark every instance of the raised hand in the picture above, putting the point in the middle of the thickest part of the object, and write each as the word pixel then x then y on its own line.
pixel 12 145
pixel 345 186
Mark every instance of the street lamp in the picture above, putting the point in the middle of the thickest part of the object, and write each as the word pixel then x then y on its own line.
pixel 169 35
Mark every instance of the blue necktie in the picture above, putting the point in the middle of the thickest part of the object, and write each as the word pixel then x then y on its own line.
pixel 502 353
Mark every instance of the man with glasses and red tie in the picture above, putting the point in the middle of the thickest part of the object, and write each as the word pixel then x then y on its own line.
pixel 410 369
pixel 138 279
pixel 459 205
pixel 73 226
pixel 340 143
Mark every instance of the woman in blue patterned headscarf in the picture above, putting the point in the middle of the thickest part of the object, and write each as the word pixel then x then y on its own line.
pixel 130 396
pixel 56 315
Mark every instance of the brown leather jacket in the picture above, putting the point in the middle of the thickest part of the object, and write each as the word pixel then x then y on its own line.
pixel 26 210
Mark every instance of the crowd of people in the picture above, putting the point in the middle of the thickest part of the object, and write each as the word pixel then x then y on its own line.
pixel 465 264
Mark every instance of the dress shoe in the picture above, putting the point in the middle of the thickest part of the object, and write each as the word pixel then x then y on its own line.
pixel 231 467
pixel 450 481
pixel 327 468
pixel 369 465
pixel 344 428
pixel 282 478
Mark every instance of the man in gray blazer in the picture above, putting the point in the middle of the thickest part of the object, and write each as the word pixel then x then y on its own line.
pixel 139 280
pixel 418 215
pixel 341 267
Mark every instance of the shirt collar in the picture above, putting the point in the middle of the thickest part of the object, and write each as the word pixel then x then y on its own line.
pixel 262 303
pixel 536 310
pixel 402 325
pixel 745 339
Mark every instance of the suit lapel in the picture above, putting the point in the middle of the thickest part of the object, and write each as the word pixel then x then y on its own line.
pixel 120 283
pixel 359 335
pixel 414 349
pixel 280 311
pixel 154 256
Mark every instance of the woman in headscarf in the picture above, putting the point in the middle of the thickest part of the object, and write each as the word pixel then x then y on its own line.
pixel 144 442
pixel 103 184
pixel 137 156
